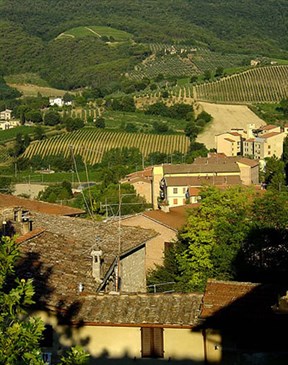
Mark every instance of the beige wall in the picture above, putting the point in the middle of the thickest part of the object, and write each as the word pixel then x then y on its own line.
pixel 144 188
pixel 155 246
pixel 119 342
pixel 249 175
pixel 157 176
pixel 183 344
pixel 228 147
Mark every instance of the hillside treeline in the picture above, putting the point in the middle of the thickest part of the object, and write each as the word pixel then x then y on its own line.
pixel 28 30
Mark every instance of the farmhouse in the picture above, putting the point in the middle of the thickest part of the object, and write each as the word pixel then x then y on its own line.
pixel 58 101
pixel 6 114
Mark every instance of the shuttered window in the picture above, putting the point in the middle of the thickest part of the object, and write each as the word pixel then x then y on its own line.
pixel 152 342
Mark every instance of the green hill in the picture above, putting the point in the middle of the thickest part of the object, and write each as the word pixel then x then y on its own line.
pixel 51 38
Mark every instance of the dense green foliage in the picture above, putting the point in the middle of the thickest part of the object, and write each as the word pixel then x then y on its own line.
pixel 19 335
pixel 30 42
pixel 233 235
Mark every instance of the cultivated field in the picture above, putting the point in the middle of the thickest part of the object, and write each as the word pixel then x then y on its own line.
pixel 259 85
pixel 226 117
pixel 92 143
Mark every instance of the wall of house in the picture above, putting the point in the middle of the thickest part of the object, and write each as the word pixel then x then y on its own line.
pixel 178 197
pixel 144 188
pixel 133 273
pixel 125 342
pixel 157 176
pixel 155 246
pixel 183 344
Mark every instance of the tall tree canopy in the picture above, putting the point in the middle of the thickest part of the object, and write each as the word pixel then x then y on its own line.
pixel 234 234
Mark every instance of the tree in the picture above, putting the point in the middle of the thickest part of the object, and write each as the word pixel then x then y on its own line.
pixel 274 176
pixel 33 116
pixel 52 118
pixel 100 122
pixel 207 75
pixel 211 240
pixel 73 124
pixel 19 334
pixel 219 71
pixel 39 133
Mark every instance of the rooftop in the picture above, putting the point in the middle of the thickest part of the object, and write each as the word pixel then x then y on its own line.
pixel 59 250
pixel 203 166
pixel 202 180
pixel 175 218
pixel 11 201
pixel 141 309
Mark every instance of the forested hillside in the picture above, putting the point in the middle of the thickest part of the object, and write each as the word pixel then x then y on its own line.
pixel 30 29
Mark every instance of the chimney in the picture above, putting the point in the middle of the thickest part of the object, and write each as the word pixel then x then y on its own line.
pixel 96 265
pixel 26 226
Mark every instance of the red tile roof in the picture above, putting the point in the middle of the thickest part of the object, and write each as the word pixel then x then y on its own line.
pixel 174 219
pixel 203 180
pixel 248 161
pixel 37 206
pixel 268 127
pixel 269 135
pixel 237 297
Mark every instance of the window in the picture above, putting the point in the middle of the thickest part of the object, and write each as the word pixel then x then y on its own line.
pixel 152 342
pixel 175 190
pixel 175 201
pixel 184 190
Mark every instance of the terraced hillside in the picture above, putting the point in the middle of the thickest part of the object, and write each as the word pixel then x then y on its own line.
pixel 92 143
pixel 259 85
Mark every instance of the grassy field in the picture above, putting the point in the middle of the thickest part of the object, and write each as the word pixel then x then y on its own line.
pixel 10 134
pixel 34 90
pixel 96 31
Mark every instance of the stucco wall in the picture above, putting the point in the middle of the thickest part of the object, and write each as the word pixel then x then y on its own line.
pixel 155 246
pixel 121 342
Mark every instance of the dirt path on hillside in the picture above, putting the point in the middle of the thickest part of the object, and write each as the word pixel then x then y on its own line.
pixel 226 117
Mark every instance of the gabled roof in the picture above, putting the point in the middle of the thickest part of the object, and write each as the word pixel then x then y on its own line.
pixel 268 127
pixel 8 201
pixel 203 167
pixel 61 253
pixel 238 299
pixel 248 162
pixel 162 310
pixel 175 218
pixel 269 135
pixel 202 180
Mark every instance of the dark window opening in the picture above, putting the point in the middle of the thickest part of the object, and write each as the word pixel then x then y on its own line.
pixel 152 342
pixel 47 340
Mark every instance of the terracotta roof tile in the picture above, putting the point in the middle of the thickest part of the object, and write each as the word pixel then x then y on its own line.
pixel 175 218
pixel 141 309
pixel 237 298
pixel 248 161
pixel 64 250
pixel 202 180
pixel 271 134
pixel 34 205
pixel 268 127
